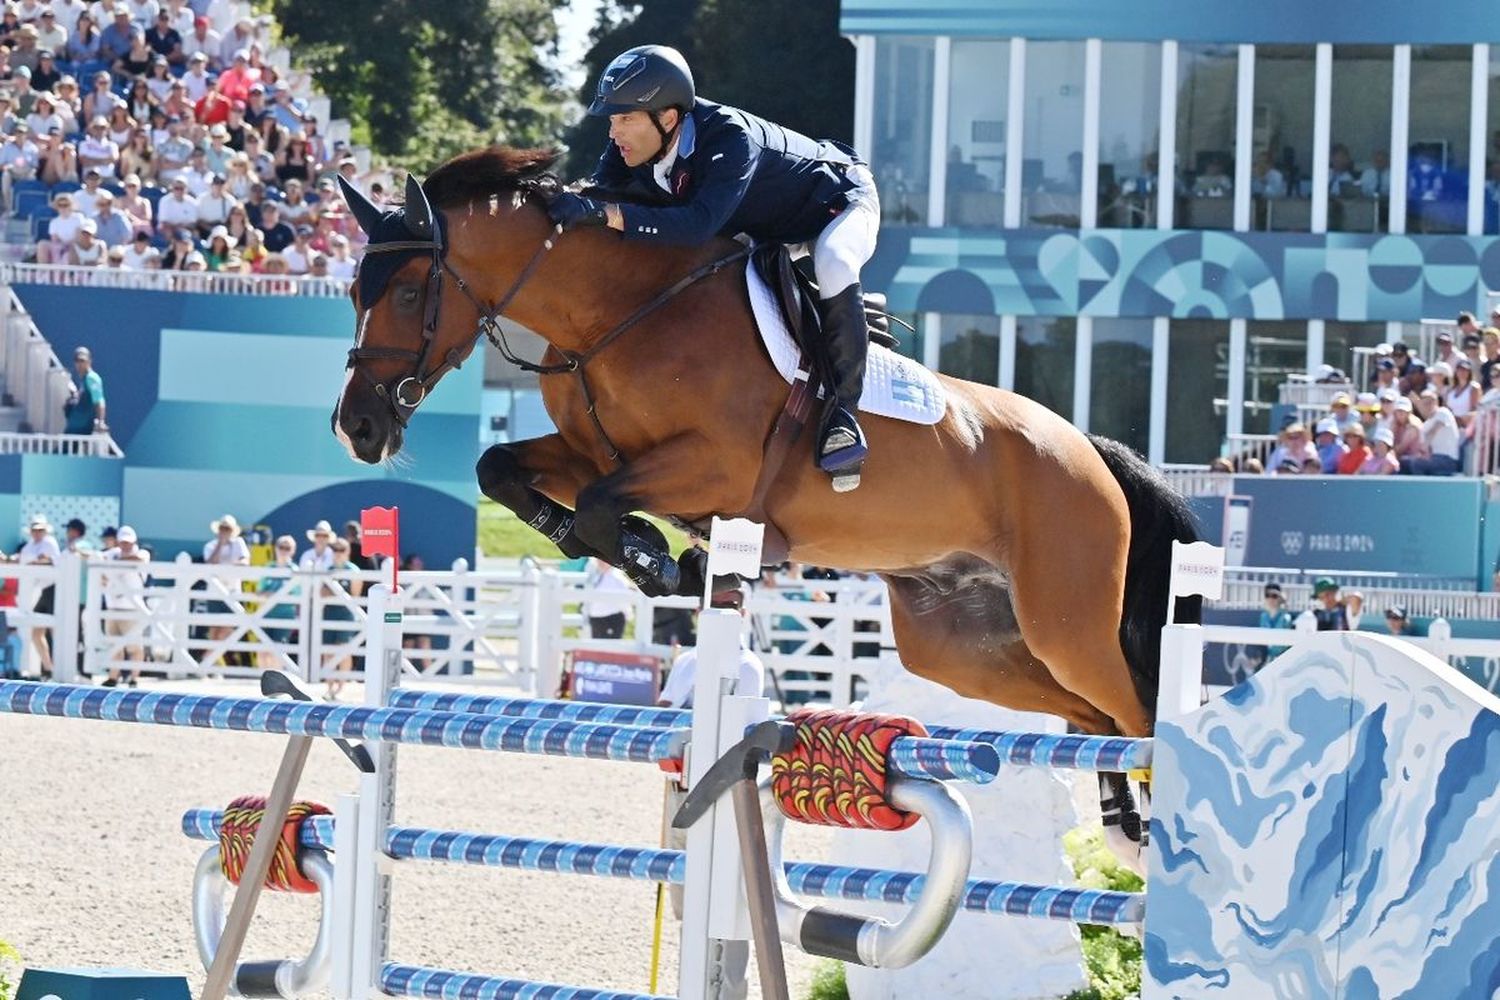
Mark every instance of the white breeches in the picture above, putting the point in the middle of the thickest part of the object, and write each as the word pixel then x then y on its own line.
pixel 842 249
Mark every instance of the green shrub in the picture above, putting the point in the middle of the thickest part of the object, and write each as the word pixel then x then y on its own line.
pixel 1113 959
pixel 10 959
pixel 828 982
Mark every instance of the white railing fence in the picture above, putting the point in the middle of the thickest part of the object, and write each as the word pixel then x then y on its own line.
pixel 83 445
pixel 203 282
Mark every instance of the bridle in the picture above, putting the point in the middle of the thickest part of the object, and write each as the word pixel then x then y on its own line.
pixel 404 393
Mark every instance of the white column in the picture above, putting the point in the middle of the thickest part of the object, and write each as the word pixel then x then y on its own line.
pixel 1244 137
pixel 1234 422
pixel 1007 373
pixel 1400 133
pixel 1083 367
pixel 1166 185
pixel 1479 112
pixel 932 339
pixel 1322 134
pixel 1315 342
pixel 937 167
pixel 1015 123
pixel 1093 56
pixel 864 94
pixel 1156 440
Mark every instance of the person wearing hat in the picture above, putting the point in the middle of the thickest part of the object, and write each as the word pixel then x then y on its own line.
pixel 204 40
pixel 278 235
pixel 22 92
pixel 214 205
pixel 85 407
pixel 19 160
pixel 24 55
pixel 178 209
pixel 319 558
pixel 1293 448
pixel 114 229
pixel 1327 608
pixel 298 256
pixel 1411 371
pixel 1274 614
pixel 124 595
pixel 1342 411
pixel 85 199
pixel 1447 353
pixel 97 151
pixel 135 253
pixel 220 253
pixel 1395 621
pixel 1356 451
pixel 226 548
pixel 87 249
pixel 41 549
pixel 44 117
pixel 46 76
pixel 175 152
pixel 1330 448
pixel 236 81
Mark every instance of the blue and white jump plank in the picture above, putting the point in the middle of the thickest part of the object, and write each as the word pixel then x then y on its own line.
pixel 548 737
pixel 650 864
pixel 399 980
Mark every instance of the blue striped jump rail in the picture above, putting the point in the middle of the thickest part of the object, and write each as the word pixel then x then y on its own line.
pixel 400 980
pixel 1020 749
pixel 649 864
pixel 549 737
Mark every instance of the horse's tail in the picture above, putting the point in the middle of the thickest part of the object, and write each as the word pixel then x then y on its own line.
pixel 1158 515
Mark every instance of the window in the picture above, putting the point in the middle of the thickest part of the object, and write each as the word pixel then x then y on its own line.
pixel 1272 351
pixel 1129 133
pixel 1198 377
pixel 1359 175
pixel 1207 88
pixel 902 128
pixel 1045 346
pixel 1052 160
pixel 1282 154
pixel 1437 167
pixel 1492 154
pixel 1120 383
pixel 970 347
pixel 979 75
pixel 1341 339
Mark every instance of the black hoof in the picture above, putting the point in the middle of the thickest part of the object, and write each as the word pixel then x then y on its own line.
pixel 692 569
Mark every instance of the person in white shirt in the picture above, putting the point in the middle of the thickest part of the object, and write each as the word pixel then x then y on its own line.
pixel 61 231
pixel 199 178
pixel 97 151
pixel 606 617
pixel 319 558
pixel 124 591
pixel 214 205
pixel 1441 436
pixel 86 198
pixel 298 256
pixel 340 264
pixel 1375 180
pixel 177 209
pixel 134 258
pixel 206 40
pixel 87 249
pixel 41 550
pixel 142 12
pixel 226 548
pixel 51 32
pixel 683 677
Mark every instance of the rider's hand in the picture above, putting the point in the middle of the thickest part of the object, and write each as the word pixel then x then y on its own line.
pixel 571 210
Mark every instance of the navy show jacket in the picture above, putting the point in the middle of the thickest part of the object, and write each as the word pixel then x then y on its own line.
pixel 734 173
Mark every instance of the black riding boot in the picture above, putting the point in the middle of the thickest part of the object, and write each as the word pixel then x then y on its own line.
pixel 846 340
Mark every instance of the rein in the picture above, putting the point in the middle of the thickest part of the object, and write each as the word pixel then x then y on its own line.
pixel 403 403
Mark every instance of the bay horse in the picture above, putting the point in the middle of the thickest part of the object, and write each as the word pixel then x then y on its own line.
pixel 1026 562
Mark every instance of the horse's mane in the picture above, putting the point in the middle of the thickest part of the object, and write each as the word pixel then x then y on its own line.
pixel 483 173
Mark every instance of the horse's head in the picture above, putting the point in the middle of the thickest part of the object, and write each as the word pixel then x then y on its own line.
pixel 422 293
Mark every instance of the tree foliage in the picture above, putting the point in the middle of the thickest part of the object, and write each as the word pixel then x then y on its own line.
pixel 781 59
pixel 423 80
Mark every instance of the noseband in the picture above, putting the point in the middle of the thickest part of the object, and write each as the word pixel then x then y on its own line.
pixel 404 393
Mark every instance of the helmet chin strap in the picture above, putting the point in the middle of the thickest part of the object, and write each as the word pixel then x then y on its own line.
pixel 666 136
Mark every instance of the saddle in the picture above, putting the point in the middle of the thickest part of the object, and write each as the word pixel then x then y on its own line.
pixel 796 292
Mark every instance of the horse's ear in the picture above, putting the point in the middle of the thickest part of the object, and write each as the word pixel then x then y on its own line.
pixel 418 211
pixel 365 212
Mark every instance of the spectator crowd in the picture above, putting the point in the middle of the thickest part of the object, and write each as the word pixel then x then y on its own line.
pixel 136 137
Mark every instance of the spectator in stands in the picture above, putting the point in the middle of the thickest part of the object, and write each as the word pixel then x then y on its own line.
pixel 159 80
pixel 606 616
pixel 46 76
pixel 21 91
pixel 294 208
pixel 1439 378
pixel 1406 428
pixel 1446 352
pixel 218 154
pixel 69 105
pixel 1342 412
pixel 1411 371
pixel 1440 436
pixel 1462 397
pixel 1293 447
pixel 135 207
pixel 124 592
pixel 176 257
pixel 139 101
pixel 137 158
pixel 276 233
pixel 340 264
pixel 1356 452
pixel 21 159
pixel 298 256
pixel 157 128
pixel 181 16
pixel 134 256
pixel 1327 608
pixel 60 160
pixel 177 209
pixel 85 408
pixel 1490 350
pixel 10 23
pixel 205 40
pixel 220 253
pixel 97 152
pixel 1395 621
pixel 24 55
pixel 61 231
pixel 113 228
pixel 214 205
pixel 84 42
pixel 135 64
pixel 319 558
pixel 236 81
pixel 237 178
pixel 86 198
pixel 226 548
pixel 41 550
pixel 238 224
pixel 235 124
pixel 7 113
pixel 100 99
pixel 337 610
pixel 1251 466
pixel 237 40
pixel 1330 448
pixel 87 249
pixel 199 178
pixel 175 153
pixel 115 259
pixel 165 40
pixel 253 252
pixel 44 117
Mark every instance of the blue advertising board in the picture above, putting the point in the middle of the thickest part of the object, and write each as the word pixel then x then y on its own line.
pixel 615 678
pixel 1416 525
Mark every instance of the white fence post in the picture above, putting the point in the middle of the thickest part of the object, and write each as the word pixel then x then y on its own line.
pixel 66 604
pixel 1180 684
pixel 529 611
pixel 1438 635
pixel 549 631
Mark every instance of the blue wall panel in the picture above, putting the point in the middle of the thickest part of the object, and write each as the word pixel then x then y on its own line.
pixel 222 405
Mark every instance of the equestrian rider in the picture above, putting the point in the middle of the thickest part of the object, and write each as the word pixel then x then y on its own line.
pixel 709 169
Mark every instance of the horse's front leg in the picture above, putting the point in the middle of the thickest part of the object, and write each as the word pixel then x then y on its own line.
pixel 680 475
pixel 515 475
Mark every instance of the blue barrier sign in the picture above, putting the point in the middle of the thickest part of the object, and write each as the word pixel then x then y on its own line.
pixel 614 678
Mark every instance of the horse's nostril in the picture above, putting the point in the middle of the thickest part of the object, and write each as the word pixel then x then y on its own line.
pixel 364 430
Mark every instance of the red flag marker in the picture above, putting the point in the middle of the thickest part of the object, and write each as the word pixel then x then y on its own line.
pixel 380 534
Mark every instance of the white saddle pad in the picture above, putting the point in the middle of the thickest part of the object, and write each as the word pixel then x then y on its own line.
pixel 895 386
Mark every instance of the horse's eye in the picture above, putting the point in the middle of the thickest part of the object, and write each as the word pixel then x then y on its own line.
pixel 408 296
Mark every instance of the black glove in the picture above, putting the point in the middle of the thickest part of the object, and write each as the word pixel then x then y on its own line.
pixel 570 210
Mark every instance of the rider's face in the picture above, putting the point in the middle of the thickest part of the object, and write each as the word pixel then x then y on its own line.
pixel 636 136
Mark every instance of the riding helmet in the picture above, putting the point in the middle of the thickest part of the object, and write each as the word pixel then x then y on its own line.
pixel 645 78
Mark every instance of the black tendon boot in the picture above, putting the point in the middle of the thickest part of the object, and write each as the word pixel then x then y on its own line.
pixel 846 340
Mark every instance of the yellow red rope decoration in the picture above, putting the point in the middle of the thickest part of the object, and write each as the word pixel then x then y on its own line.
pixel 835 775
pixel 242 820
